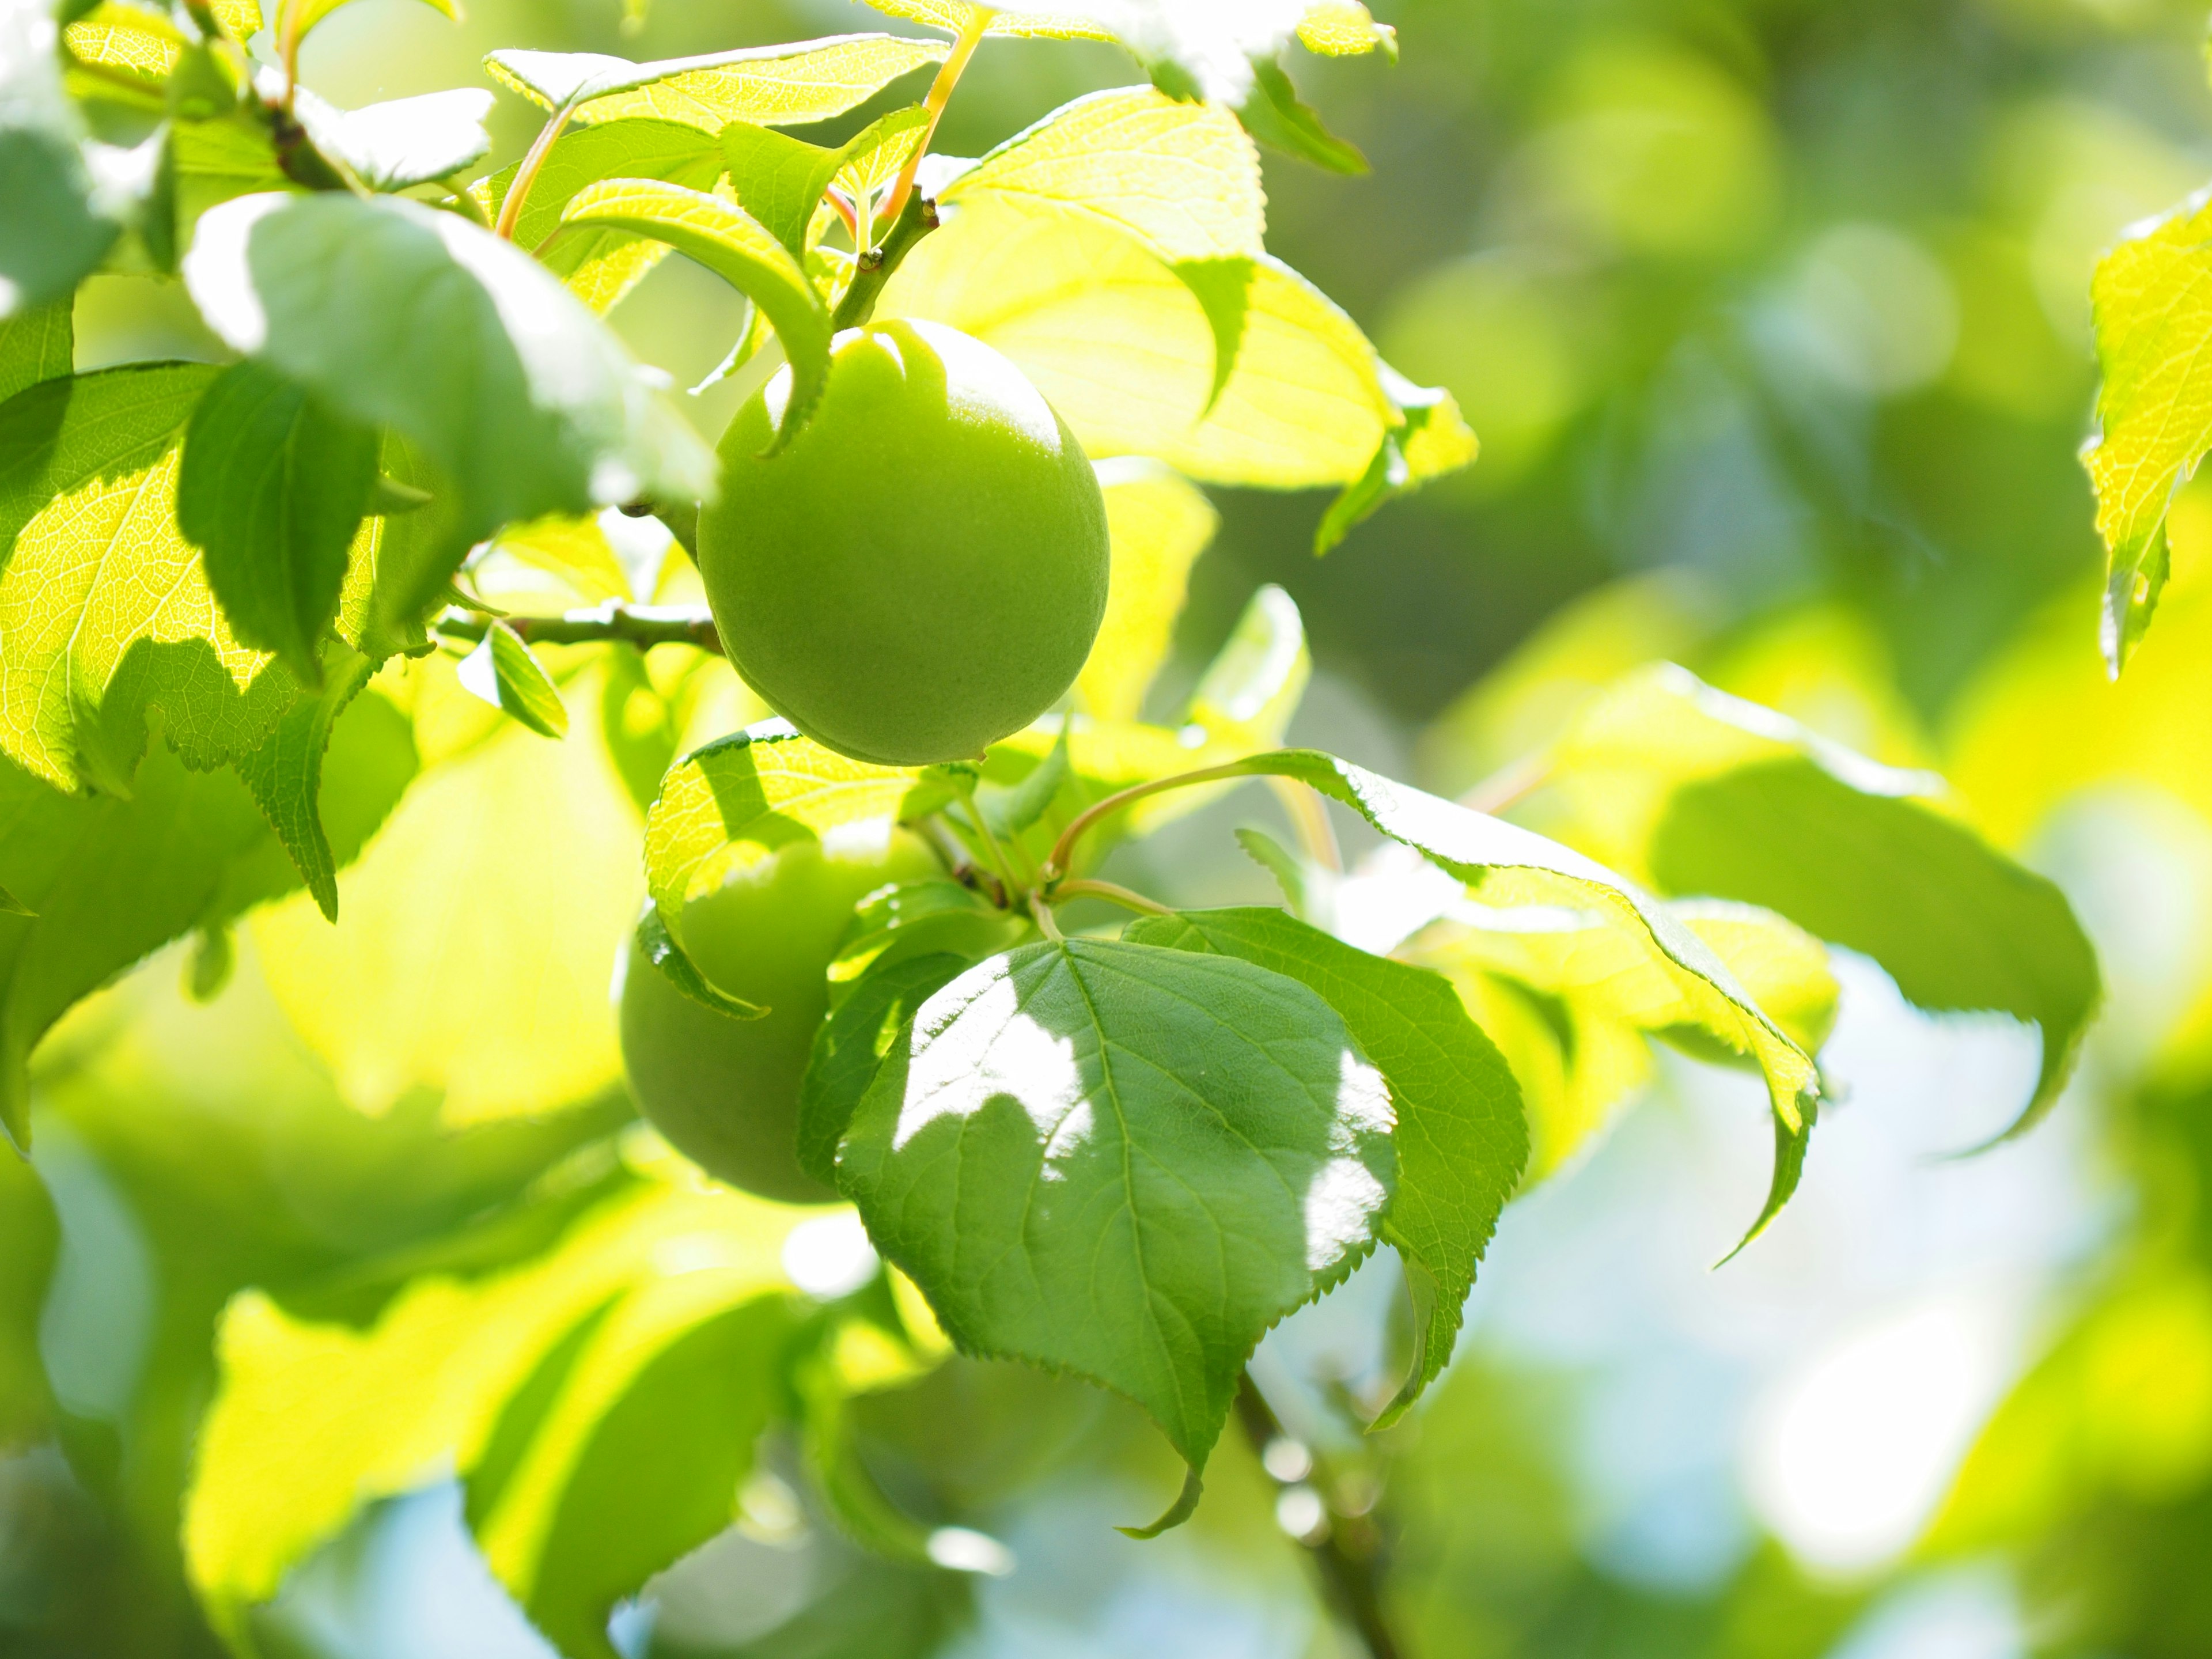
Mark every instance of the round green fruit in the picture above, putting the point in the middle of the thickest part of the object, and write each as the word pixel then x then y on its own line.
pixel 922 569
pixel 724 1092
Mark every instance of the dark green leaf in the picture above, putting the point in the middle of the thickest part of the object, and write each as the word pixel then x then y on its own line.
pixel 850 1046
pixel 271 489
pixel 1392 472
pixel 394 314
pixel 1276 115
pixel 1460 1138
pixel 36 344
pixel 503 671
pixel 1222 288
pixel 779 180
pixel 1012 808
pixel 286 776
pixel 1123 1162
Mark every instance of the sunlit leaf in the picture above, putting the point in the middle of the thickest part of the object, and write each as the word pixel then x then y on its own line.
pixel 1276 115
pixel 58 229
pixel 952 17
pixel 1344 28
pixel 530 1383
pixel 394 314
pixel 601 266
pixel 731 243
pixel 773 86
pixel 404 141
pixel 285 776
pixel 1705 794
pixel 105 614
pixel 1123 1162
pixel 502 673
pixel 1158 525
pixel 1461 1139
pixel 477 935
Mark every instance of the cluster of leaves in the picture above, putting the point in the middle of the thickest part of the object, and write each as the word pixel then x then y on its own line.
pixel 1123 1155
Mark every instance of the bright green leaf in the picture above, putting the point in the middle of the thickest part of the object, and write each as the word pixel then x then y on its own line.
pixel 36 344
pixel 754 789
pixel 1435 439
pixel 285 776
pixel 660 949
pixel 1123 1162
pixel 105 614
pixel 1344 28
pixel 731 244
pixel 1714 796
pixel 394 314
pixel 501 671
pixel 1461 1139
pixel 850 1046
pixel 304 14
pixel 2153 297
pixel 952 17
pixel 601 266
pixel 778 86
pixel 1158 524
pixel 272 489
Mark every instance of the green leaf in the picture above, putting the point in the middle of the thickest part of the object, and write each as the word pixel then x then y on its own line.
pixel 850 1046
pixel 668 958
pixel 953 15
pixel 1461 1139
pixel 218 160
pixel 1344 28
pixel 503 671
pixel 394 314
pixel 311 12
pixel 1122 346
pixel 1157 524
pixel 922 918
pixel 1222 288
pixel 731 243
pixel 111 879
pixel 2152 304
pixel 1715 796
pixel 272 489
pixel 285 776
pixel 1433 440
pixel 405 140
pixel 1255 682
pixel 778 86
pixel 879 153
pixel 1180 179
pixel 601 266
pixel 1508 866
pixel 36 344
pixel 780 181
pixel 1011 809
pixel 1572 998
pixel 627 1372
pixel 402 561
pixel 104 612
pixel 58 228
pixel 1276 115
pixel 1126 1163
pixel 754 789
pixel 1292 873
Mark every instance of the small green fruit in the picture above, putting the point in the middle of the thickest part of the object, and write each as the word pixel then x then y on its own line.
pixel 922 570
pixel 724 1092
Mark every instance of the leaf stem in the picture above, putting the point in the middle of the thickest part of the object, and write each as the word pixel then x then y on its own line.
pixel 640 625
pixel 1041 908
pixel 1345 1548
pixel 1515 781
pixel 533 161
pixel 1114 893
pixel 1309 817
pixel 1056 864
pixel 940 94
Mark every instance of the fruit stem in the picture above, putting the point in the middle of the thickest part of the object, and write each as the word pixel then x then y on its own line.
pixel 1002 866
pixel 1041 908
pixel 641 625
pixel 874 267
pixel 940 94
pixel 1114 893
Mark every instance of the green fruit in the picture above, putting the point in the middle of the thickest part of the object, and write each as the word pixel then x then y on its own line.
pixel 724 1092
pixel 922 570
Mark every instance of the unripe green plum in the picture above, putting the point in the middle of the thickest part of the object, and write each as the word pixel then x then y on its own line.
pixel 724 1092
pixel 922 570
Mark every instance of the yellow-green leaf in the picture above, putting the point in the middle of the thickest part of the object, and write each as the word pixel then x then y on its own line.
pixel 1158 523
pixel 2152 301
pixel 768 86
pixel 953 15
pixel 104 612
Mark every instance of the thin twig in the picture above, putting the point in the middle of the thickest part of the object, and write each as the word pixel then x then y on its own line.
pixel 1515 781
pixel 940 94
pixel 1056 864
pixel 1343 1549
pixel 1309 817
pixel 533 160
pixel 641 625
pixel 1114 893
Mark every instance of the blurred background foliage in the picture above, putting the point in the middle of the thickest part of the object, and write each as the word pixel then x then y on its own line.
pixel 1773 315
